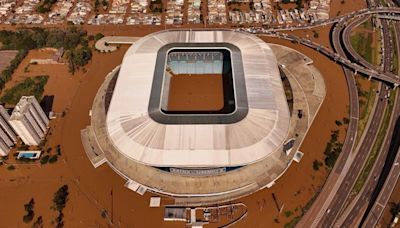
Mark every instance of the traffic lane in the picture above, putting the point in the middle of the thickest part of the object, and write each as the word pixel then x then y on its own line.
pixel 317 210
pixel 344 190
pixel 371 183
pixel 392 178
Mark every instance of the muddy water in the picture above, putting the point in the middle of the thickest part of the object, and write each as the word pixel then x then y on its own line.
pixel 94 189
pixel 196 93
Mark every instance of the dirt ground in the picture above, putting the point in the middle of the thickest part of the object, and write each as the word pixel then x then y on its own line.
pixel 196 93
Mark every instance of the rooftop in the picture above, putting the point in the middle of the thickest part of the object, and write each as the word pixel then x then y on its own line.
pixel 21 107
pixel 260 132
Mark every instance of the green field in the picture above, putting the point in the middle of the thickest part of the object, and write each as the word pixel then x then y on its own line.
pixel 362 41
pixel 29 87
pixel 367 100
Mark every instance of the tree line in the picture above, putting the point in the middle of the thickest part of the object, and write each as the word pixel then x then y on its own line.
pixel 73 40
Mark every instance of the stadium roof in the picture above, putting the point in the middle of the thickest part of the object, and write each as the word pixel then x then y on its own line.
pixel 261 132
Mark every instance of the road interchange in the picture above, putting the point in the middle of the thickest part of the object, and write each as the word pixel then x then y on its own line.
pixel 328 206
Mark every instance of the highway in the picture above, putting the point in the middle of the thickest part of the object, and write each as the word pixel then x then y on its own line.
pixel 388 187
pixel 366 203
pixel 356 209
pixel 385 77
pixel 352 173
pixel 329 204
pixel 325 197
pixel 371 186
pixel 387 45
pixel 320 214
pixel 346 39
pixel 390 171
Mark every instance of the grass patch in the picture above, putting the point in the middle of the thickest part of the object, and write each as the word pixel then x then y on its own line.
pixel 377 145
pixel 395 54
pixel 44 159
pixel 367 24
pixel 366 103
pixel 288 213
pixel 362 42
pixel 292 223
pixel 332 150
pixel 53 159
pixel 29 87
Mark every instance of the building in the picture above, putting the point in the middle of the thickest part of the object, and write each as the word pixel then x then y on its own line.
pixel 29 121
pixel 7 135
pixel 199 115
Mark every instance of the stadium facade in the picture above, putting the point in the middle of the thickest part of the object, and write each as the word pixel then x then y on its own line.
pixel 163 137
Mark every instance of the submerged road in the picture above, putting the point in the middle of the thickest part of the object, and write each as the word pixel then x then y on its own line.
pixel 325 197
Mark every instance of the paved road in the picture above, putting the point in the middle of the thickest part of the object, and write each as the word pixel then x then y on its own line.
pixel 372 186
pixel 387 44
pixel 337 57
pixel 386 41
pixel 381 11
pixel 356 210
pixel 352 174
pixel 325 197
pixel 320 214
pixel 365 197
pixel 387 190
pixel 378 206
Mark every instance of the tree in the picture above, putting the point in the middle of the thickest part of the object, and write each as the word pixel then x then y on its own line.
pixel 29 209
pixel 316 165
pixel 28 217
pixel 60 198
pixel 53 159
pixel 29 206
pixel 38 223
pixel 44 159
pixel 316 34
pixel 98 36
pixel 96 5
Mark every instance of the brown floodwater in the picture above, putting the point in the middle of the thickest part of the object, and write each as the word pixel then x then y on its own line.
pixel 92 190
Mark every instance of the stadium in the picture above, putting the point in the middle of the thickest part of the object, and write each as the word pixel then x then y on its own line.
pixel 199 115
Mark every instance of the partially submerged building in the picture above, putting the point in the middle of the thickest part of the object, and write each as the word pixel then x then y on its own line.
pixel 29 121
pixel 7 135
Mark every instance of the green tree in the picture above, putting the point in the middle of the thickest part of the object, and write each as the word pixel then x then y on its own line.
pixel 60 198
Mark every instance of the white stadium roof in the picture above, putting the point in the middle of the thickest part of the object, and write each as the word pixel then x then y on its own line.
pixel 261 132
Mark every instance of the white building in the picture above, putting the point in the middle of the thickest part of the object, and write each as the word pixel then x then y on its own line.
pixel 7 135
pixel 29 121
